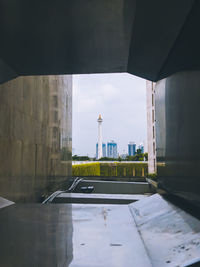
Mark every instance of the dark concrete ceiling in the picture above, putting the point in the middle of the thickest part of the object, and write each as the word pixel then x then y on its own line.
pixel 150 39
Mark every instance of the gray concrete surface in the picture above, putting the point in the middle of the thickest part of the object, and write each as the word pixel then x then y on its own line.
pixel 114 178
pixel 151 39
pixel 153 231
pixel 115 187
pixel 177 135
pixel 36 235
pixel 30 157
pixel 170 234
pixel 106 235
pixel 98 198
pixel 70 235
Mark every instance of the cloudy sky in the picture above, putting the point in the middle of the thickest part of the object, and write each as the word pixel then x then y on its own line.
pixel 120 99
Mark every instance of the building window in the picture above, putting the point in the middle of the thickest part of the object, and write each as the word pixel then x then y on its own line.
pixel 153 119
pixel 153 133
pixel 55 116
pixel 67 101
pixel 55 131
pixel 152 100
pixel 55 146
pixel 154 148
pixel 55 101
pixel 55 85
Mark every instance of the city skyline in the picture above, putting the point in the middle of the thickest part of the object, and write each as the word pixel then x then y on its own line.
pixel 140 145
pixel 124 114
pixel 131 149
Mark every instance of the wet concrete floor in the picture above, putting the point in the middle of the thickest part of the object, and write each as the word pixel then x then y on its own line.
pixel 150 232
pixel 70 235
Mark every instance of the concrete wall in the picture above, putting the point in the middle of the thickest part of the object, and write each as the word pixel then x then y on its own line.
pixel 30 164
pixel 113 187
pixel 178 134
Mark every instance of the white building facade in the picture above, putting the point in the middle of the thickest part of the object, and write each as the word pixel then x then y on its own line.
pixel 151 133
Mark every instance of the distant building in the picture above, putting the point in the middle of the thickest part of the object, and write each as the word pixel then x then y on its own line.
pixel 112 149
pixel 131 149
pixel 103 150
pixel 141 147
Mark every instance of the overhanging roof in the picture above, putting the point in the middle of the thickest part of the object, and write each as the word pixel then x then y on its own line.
pixel 150 39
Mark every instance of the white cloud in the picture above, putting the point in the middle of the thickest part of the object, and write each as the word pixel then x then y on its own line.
pixel 121 100
pixel 109 92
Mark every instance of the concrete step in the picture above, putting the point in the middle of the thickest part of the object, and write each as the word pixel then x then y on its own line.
pixel 97 198
pixel 115 187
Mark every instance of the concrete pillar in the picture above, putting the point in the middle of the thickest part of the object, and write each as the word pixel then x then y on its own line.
pixel 27 137
pixel 177 134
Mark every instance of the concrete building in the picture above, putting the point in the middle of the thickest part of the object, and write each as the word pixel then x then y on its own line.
pixel 151 134
pixel 117 36
pixel 100 145
pixel 33 123
pixel 104 149
pixel 131 149
pixel 112 149
pixel 155 40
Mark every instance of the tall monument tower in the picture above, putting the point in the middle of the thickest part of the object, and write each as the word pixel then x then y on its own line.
pixel 100 120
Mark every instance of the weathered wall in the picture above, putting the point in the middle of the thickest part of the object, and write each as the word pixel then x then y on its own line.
pixel 30 164
pixel 178 134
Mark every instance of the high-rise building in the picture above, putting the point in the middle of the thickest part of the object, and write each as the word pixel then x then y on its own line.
pixel 100 152
pixel 141 147
pixel 103 150
pixel 151 135
pixel 112 149
pixel 131 149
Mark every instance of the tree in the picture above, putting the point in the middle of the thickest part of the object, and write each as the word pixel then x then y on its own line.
pixel 80 158
pixel 146 156
pixel 137 157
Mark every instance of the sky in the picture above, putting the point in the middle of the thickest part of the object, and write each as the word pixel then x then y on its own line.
pixel 121 101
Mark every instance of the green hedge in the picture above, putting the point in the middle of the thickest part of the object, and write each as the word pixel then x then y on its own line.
pixel 88 169
pixel 117 169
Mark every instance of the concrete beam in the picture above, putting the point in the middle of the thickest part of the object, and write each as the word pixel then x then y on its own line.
pixel 149 39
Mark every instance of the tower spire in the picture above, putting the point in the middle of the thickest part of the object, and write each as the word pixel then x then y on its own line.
pixel 100 153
